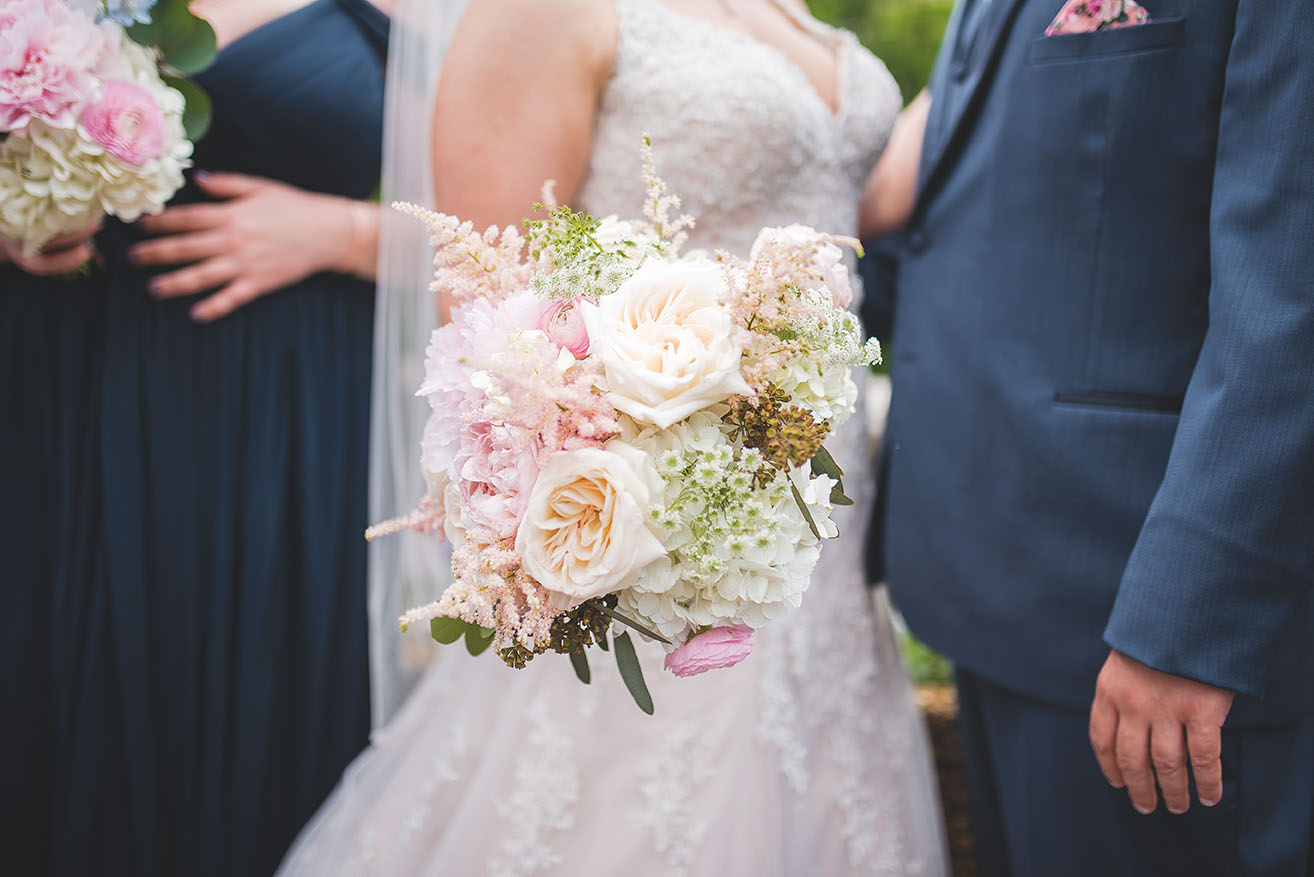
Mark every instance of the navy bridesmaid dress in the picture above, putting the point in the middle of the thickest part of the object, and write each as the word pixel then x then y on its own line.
pixel 181 509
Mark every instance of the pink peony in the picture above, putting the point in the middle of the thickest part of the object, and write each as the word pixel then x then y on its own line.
pixel 495 475
pixel 562 322
pixel 46 52
pixel 711 650
pixel 127 122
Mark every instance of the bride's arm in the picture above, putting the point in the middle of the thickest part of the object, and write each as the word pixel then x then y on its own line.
pixel 516 104
pixel 891 191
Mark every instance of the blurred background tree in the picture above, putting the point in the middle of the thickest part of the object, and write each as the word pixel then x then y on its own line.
pixel 905 34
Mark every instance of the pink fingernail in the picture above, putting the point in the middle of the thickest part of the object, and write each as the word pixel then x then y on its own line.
pixel 1209 802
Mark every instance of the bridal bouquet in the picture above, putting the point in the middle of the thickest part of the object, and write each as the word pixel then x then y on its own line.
pixel 94 118
pixel 625 435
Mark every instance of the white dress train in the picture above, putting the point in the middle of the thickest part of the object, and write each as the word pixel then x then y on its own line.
pixel 810 757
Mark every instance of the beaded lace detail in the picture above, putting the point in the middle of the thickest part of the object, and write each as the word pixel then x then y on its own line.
pixel 738 130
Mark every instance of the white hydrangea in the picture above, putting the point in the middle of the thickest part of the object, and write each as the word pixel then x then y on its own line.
pixel 737 552
pixel 828 394
pixel 54 181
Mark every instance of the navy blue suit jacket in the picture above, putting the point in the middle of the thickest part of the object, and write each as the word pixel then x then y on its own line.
pixel 1102 325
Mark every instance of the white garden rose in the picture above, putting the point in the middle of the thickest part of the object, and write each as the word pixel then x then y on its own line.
pixel 585 531
pixel 664 340
pixel 828 268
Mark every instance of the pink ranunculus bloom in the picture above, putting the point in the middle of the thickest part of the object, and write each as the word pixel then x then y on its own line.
pixel 711 650
pixel 127 122
pixel 46 49
pixel 562 322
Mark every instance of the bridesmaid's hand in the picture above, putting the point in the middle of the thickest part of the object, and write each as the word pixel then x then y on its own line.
pixel 64 254
pixel 263 237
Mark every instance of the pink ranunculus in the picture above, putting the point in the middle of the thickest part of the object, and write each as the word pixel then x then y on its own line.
pixel 562 322
pixel 46 51
pixel 127 122
pixel 711 650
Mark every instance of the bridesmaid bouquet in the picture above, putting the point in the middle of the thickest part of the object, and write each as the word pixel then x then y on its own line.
pixel 624 436
pixel 95 110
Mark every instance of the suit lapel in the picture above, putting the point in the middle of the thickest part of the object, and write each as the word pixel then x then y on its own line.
pixel 963 80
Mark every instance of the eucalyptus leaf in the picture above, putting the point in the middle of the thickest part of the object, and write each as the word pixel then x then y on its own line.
pixel 837 496
pixel 446 630
pixel 803 507
pixel 632 674
pixel 603 644
pixel 580 662
pixel 145 34
pixel 193 52
pixel 196 112
pixel 824 464
pixel 631 623
pixel 475 641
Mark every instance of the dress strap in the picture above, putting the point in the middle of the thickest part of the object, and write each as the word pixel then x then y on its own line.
pixel 374 22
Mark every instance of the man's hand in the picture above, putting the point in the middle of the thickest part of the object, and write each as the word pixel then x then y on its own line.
pixel 1142 718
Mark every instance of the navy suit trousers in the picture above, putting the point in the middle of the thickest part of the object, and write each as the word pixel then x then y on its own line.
pixel 1041 807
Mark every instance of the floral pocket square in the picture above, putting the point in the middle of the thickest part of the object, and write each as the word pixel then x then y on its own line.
pixel 1084 16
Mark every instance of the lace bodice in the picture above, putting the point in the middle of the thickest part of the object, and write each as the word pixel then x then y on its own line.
pixel 739 132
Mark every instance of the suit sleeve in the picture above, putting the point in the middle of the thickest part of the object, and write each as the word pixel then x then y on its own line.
pixel 1226 555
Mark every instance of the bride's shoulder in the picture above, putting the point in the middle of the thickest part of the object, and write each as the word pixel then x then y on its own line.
pixel 539 31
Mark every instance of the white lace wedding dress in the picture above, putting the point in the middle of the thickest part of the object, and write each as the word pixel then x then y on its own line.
pixel 810 757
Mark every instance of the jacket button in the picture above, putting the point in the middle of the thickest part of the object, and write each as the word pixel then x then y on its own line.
pixel 918 242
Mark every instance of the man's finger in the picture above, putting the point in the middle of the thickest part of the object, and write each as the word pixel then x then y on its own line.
pixel 1168 754
pixel 1205 743
pixel 1133 758
pixel 224 302
pixel 209 274
pixel 1103 739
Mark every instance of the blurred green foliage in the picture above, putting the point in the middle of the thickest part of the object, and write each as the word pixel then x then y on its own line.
pixel 905 34
pixel 924 666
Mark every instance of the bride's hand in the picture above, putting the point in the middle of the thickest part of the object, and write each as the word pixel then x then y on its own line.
pixel 62 255
pixel 262 237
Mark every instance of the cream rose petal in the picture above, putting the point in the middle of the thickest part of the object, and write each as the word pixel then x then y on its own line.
pixel 665 342
pixel 585 530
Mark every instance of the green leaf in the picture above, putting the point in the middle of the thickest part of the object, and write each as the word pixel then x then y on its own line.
pixel 197 112
pixel 580 662
pixel 191 51
pixel 631 623
pixel 824 464
pixel 476 640
pixel 632 674
pixel 147 34
pixel 446 630
pixel 837 496
pixel 803 507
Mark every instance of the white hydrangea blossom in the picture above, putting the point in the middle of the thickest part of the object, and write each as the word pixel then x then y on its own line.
pixel 53 181
pixel 739 550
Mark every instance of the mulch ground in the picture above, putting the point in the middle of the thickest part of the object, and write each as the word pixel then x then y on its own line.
pixel 940 706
